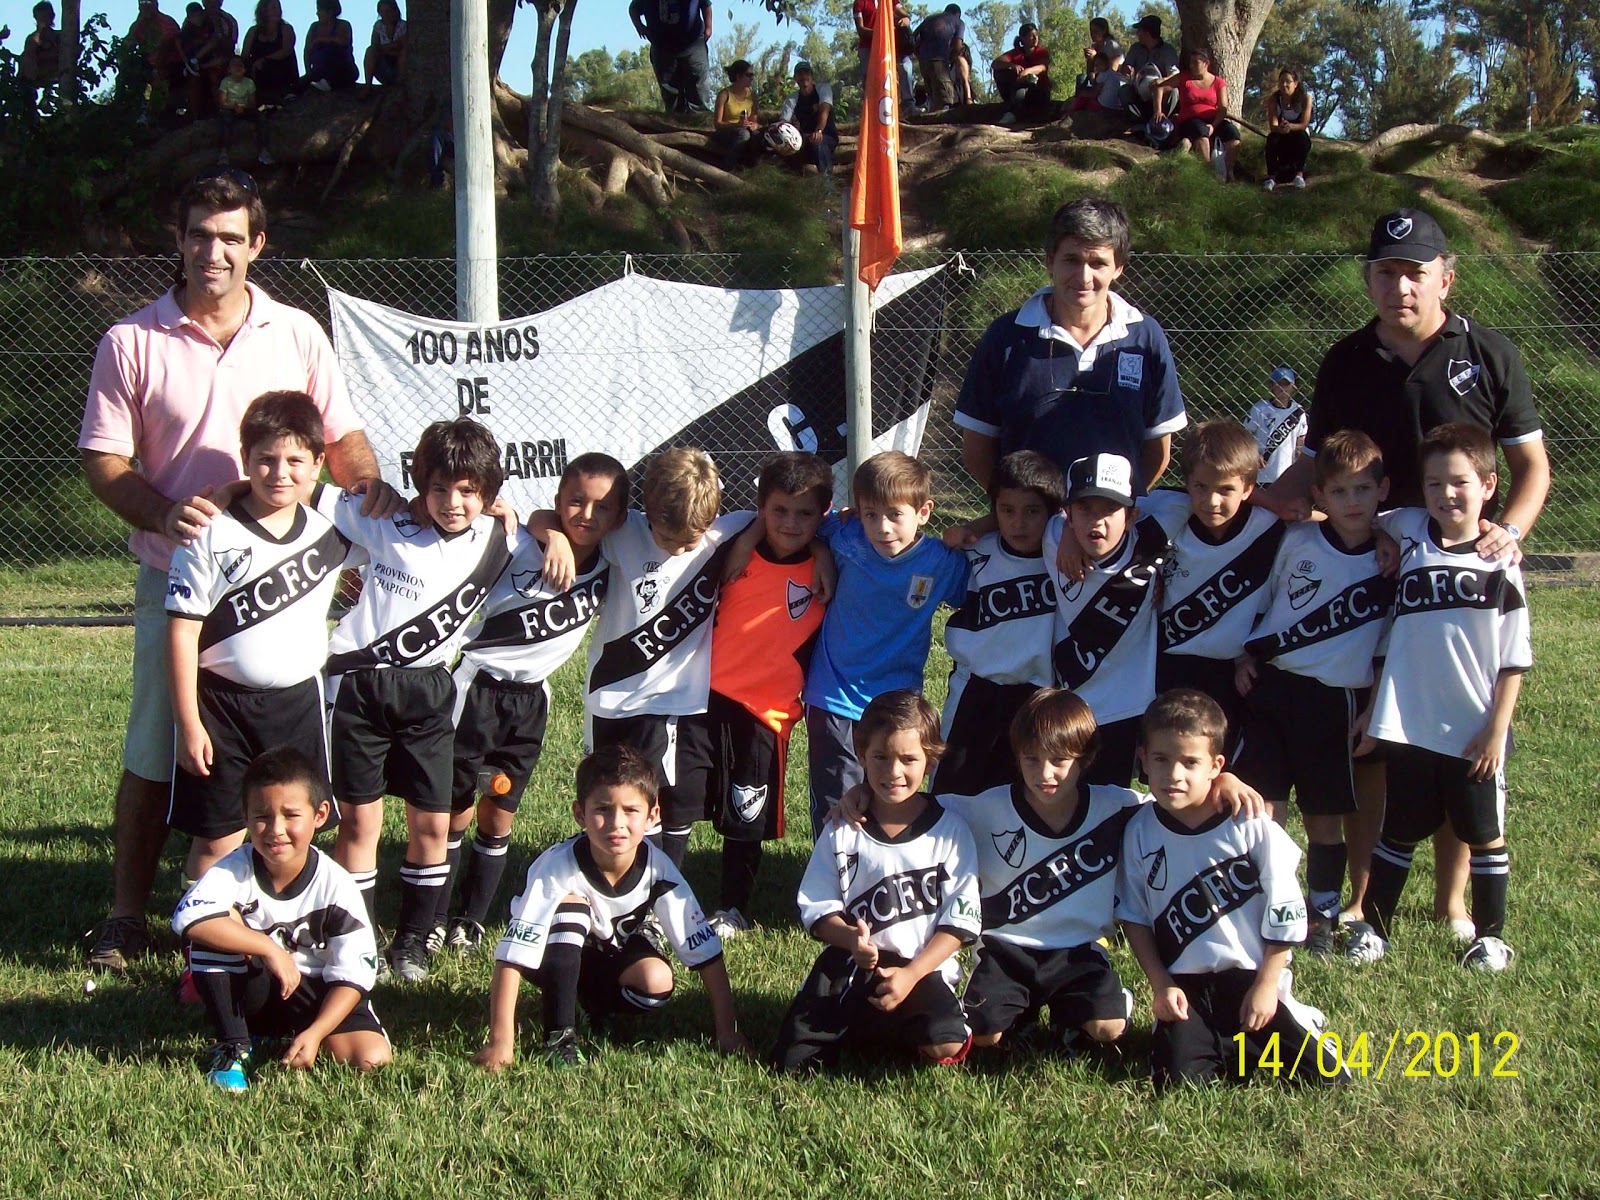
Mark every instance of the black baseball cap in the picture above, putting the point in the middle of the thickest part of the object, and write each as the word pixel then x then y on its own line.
pixel 1150 24
pixel 1406 233
pixel 1106 475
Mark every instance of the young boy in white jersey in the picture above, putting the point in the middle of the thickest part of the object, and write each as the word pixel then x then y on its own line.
pixel 879 625
pixel 279 936
pixel 893 900
pixel 1306 672
pixel 1451 677
pixel 579 929
pixel 999 639
pixel 1104 632
pixel 530 627
pixel 432 565
pixel 1278 425
pixel 247 635
pixel 1211 910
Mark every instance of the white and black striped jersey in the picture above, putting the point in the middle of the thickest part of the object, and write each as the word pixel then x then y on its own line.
pixel 1042 889
pixel 1459 622
pixel 651 886
pixel 651 651
pixel 261 600
pixel 422 587
pixel 906 888
pixel 529 628
pixel 1327 608
pixel 1214 896
pixel 1105 627
pixel 1212 592
pixel 1001 632
pixel 319 918
pixel 1277 431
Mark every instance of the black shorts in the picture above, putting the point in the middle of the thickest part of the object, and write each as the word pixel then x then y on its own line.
pixel 1297 736
pixel 1214 677
pixel 1196 128
pixel 832 1009
pixel 1117 760
pixel 268 1014
pixel 1425 789
pixel 501 728
pixel 1010 984
pixel 242 723
pixel 600 969
pixel 977 734
pixel 730 771
pixel 392 736
pixel 1203 1048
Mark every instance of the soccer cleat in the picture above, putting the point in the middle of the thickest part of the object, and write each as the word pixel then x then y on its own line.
pixel 119 941
pixel 1268 184
pixel 561 1048
pixel 1462 930
pixel 409 956
pixel 435 940
pixel 464 935
pixel 728 923
pixel 1488 954
pixel 1319 937
pixel 322 85
pixel 227 1067
pixel 1365 944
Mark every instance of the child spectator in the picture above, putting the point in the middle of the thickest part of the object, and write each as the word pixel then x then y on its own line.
pixel 279 936
pixel 386 54
pixel 1279 426
pixel 1104 632
pixel 999 639
pixel 1211 910
pixel 580 928
pixel 877 630
pixel 247 634
pixel 212 58
pixel 893 901
pixel 766 628
pixel 432 566
pixel 530 627
pixel 1307 669
pixel 1289 108
pixel 1022 76
pixel 1450 682
pixel 1214 582
pixel 236 97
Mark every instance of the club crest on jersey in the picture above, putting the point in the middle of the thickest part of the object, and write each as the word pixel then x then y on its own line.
pixel 1071 589
pixel 1303 586
pixel 1156 877
pixel 647 590
pixel 848 867
pixel 921 588
pixel 977 560
pixel 1130 369
pixel 1461 375
pixel 799 597
pixel 232 564
pixel 526 582
pixel 1399 228
pixel 1012 845
pixel 748 802
pixel 405 524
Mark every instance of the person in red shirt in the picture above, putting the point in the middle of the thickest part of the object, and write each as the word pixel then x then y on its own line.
pixel 159 60
pixel 1022 76
pixel 1202 113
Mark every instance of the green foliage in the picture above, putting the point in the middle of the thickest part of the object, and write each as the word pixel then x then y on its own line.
pixel 1556 195
pixel 625 81
pixel 1004 207
pixel 782 228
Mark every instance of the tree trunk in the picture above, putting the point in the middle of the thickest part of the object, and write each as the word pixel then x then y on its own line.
pixel 501 13
pixel 428 61
pixel 544 108
pixel 71 35
pixel 1229 28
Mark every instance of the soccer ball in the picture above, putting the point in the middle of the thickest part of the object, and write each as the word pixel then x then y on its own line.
pixel 1145 82
pixel 783 137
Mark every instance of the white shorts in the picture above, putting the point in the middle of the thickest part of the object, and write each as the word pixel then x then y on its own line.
pixel 147 748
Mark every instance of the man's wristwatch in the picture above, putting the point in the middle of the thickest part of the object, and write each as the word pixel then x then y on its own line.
pixel 1515 533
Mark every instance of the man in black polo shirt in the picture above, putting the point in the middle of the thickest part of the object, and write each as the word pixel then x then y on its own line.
pixel 1413 366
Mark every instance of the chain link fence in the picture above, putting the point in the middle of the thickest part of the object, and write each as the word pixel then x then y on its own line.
pixel 1230 318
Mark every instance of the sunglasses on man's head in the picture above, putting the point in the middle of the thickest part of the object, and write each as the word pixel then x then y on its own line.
pixel 232 175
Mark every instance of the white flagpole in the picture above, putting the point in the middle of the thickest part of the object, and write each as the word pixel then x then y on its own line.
pixel 857 349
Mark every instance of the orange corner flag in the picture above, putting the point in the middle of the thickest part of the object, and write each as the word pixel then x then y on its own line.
pixel 875 189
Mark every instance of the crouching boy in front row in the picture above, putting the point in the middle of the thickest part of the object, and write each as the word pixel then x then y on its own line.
pixel 280 942
pixel 578 929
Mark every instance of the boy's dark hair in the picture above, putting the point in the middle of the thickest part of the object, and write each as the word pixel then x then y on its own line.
pixel 1028 470
pixel 43 7
pixel 222 192
pixel 1054 723
pixel 1460 437
pixel 1227 447
pixel 459 449
pixel 1187 713
pixel 618 765
pixel 681 490
pixel 796 473
pixel 1347 452
pixel 287 414
pixel 284 765
pixel 892 712
pixel 603 465
pixel 892 477
pixel 1094 221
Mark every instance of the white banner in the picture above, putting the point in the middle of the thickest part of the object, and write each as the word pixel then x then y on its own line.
pixel 639 365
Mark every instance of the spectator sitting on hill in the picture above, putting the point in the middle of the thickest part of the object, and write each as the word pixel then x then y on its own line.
pixel 41 54
pixel 330 50
pixel 386 55
pixel 269 53
pixel 1022 76
pixel 1289 142
pixel 678 31
pixel 210 61
pixel 1202 113
pixel 1100 42
pixel 158 62
pixel 810 109
pixel 935 39
pixel 737 127
pixel 961 71
pixel 1157 94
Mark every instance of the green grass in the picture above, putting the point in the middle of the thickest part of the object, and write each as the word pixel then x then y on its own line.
pixel 1554 188
pixel 101 1094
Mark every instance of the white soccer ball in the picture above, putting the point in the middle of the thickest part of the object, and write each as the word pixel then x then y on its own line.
pixel 783 137
pixel 1145 82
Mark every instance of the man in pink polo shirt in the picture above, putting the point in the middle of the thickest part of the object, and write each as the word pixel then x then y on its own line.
pixel 169 388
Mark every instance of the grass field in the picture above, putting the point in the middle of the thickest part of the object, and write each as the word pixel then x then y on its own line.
pixel 101 1095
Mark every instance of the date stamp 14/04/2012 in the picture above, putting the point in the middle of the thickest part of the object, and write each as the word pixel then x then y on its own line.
pixel 1414 1054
